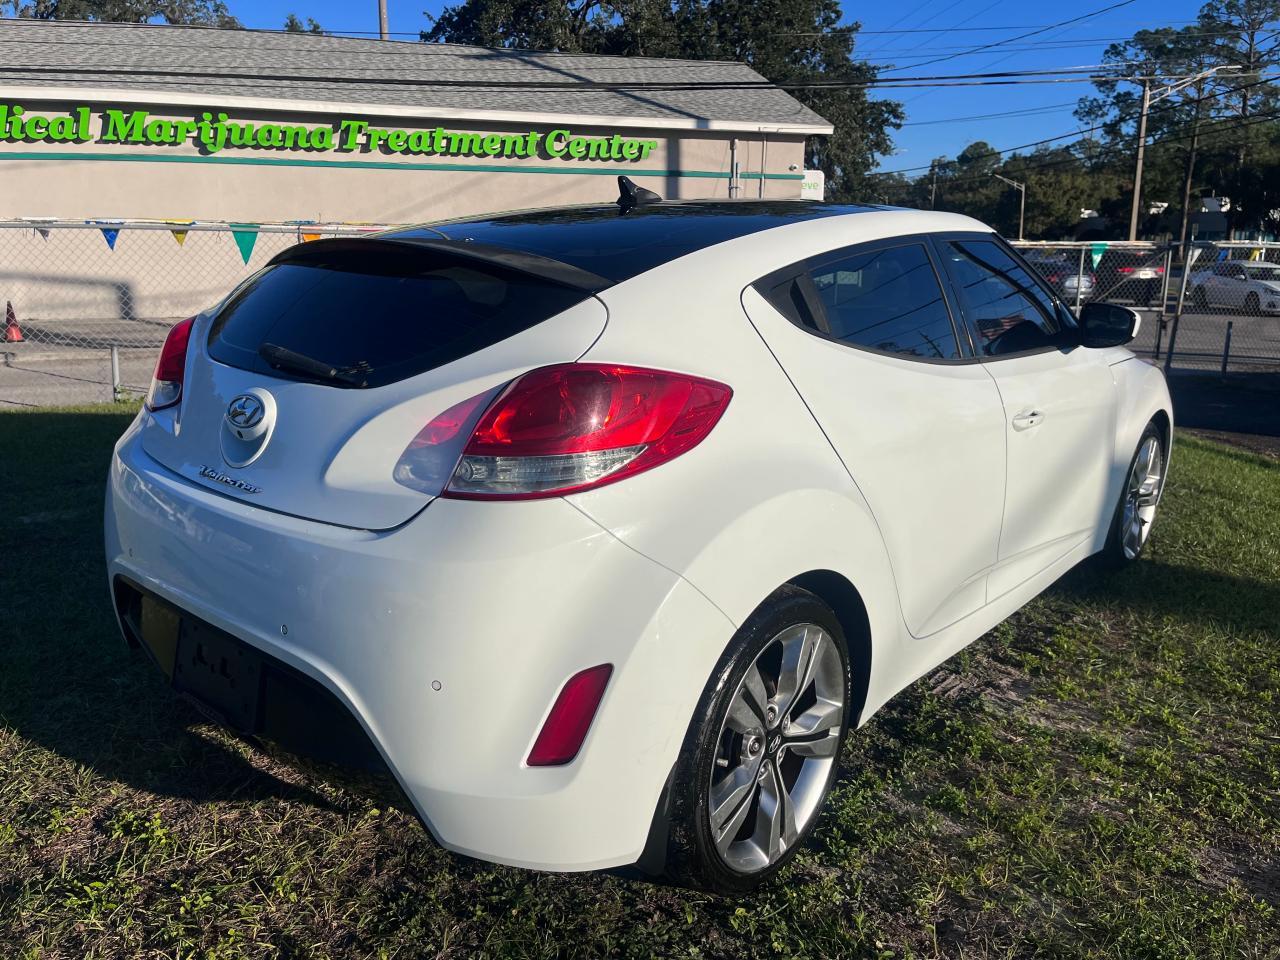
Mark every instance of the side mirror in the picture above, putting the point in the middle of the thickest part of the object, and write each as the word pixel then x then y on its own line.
pixel 1108 324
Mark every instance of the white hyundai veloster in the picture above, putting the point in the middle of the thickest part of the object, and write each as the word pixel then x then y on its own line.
pixel 601 528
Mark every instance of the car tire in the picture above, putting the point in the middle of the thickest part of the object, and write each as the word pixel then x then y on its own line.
pixel 739 773
pixel 1252 305
pixel 1200 299
pixel 1139 498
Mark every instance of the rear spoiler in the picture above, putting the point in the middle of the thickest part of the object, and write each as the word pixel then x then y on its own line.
pixel 544 268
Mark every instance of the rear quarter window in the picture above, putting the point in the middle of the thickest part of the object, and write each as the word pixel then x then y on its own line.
pixel 380 316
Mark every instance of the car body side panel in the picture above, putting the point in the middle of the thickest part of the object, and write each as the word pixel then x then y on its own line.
pixel 1056 495
pixel 764 498
pixel 924 442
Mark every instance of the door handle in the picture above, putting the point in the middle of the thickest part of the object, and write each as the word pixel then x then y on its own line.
pixel 1028 419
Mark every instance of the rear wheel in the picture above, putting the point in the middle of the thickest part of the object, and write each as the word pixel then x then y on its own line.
pixel 1200 298
pixel 1139 498
pixel 761 753
pixel 1252 305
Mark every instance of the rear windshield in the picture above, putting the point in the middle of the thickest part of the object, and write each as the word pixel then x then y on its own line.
pixel 378 317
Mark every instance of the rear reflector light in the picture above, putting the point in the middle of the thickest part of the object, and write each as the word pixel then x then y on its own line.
pixel 166 382
pixel 574 426
pixel 570 718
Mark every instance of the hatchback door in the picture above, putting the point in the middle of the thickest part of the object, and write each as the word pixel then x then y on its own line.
pixel 867 338
pixel 305 390
pixel 1059 407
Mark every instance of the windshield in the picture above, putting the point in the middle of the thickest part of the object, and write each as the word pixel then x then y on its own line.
pixel 366 317
pixel 1263 271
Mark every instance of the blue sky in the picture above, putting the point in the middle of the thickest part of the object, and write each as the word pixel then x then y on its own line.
pixel 1078 44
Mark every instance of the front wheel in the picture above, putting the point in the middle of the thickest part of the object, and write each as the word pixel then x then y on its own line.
pixel 761 752
pixel 1139 498
pixel 1252 305
pixel 1200 299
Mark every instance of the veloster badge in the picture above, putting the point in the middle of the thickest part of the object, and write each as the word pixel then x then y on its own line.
pixel 209 473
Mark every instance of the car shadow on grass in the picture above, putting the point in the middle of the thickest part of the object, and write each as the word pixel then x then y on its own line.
pixel 1155 587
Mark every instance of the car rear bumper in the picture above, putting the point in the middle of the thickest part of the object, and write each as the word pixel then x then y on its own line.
pixel 496 604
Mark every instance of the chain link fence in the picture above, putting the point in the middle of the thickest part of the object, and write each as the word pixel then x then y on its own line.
pixel 1227 315
pixel 87 304
pixel 1221 315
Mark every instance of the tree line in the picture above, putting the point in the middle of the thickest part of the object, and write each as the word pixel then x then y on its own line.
pixel 1219 136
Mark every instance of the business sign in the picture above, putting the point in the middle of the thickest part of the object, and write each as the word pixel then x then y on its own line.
pixel 213 131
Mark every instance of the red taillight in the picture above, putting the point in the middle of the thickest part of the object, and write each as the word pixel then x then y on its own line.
pixel 569 427
pixel 1125 269
pixel 570 718
pixel 166 383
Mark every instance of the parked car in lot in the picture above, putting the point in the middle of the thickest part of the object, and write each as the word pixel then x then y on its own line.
pixel 1064 275
pixel 1131 275
pixel 602 529
pixel 1251 287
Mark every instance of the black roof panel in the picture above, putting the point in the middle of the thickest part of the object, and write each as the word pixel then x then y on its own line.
pixel 616 246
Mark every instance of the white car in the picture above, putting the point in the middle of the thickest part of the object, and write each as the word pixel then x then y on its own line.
pixel 1250 286
pixel 603 529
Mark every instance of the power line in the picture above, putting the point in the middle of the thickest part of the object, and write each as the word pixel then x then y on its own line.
pixel 1077 133
pixel 1032 33
pixel 1075 74
pixel 1047 108
pixel 1034 45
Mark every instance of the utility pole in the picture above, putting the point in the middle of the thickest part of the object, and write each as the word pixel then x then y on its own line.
pixel 1022 201
pixel 933 189
pixel 382 20
pixel 1149 98
pixel 1137 169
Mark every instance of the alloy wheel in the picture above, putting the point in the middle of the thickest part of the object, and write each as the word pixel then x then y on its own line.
pixel 776 748
pixel 1146 481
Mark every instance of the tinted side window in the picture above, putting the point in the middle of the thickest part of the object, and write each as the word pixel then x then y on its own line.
pixel 887 300
pixel 1006 309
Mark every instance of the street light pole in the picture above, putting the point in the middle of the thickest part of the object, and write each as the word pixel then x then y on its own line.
pixel 1148 98
pixel 382 20
pixel 1022 201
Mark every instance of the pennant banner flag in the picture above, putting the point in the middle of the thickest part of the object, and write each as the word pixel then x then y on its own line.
pixel 246 235
pixel 43 231
pixel 109 233
pixel 1096 250
pixel 308 237
pixel 179 234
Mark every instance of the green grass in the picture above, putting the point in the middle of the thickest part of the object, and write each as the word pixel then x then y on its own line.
pixel 1097 777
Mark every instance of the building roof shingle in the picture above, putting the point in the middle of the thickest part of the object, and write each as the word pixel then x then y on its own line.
pixel 204 65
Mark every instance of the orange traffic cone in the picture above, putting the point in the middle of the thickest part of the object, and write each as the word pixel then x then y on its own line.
pixel 12 332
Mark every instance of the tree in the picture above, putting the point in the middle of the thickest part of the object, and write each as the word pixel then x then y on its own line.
pixel 786 41
pixel 293 25
pixel 1243 35
pixel 211 13
pixel 1203 135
